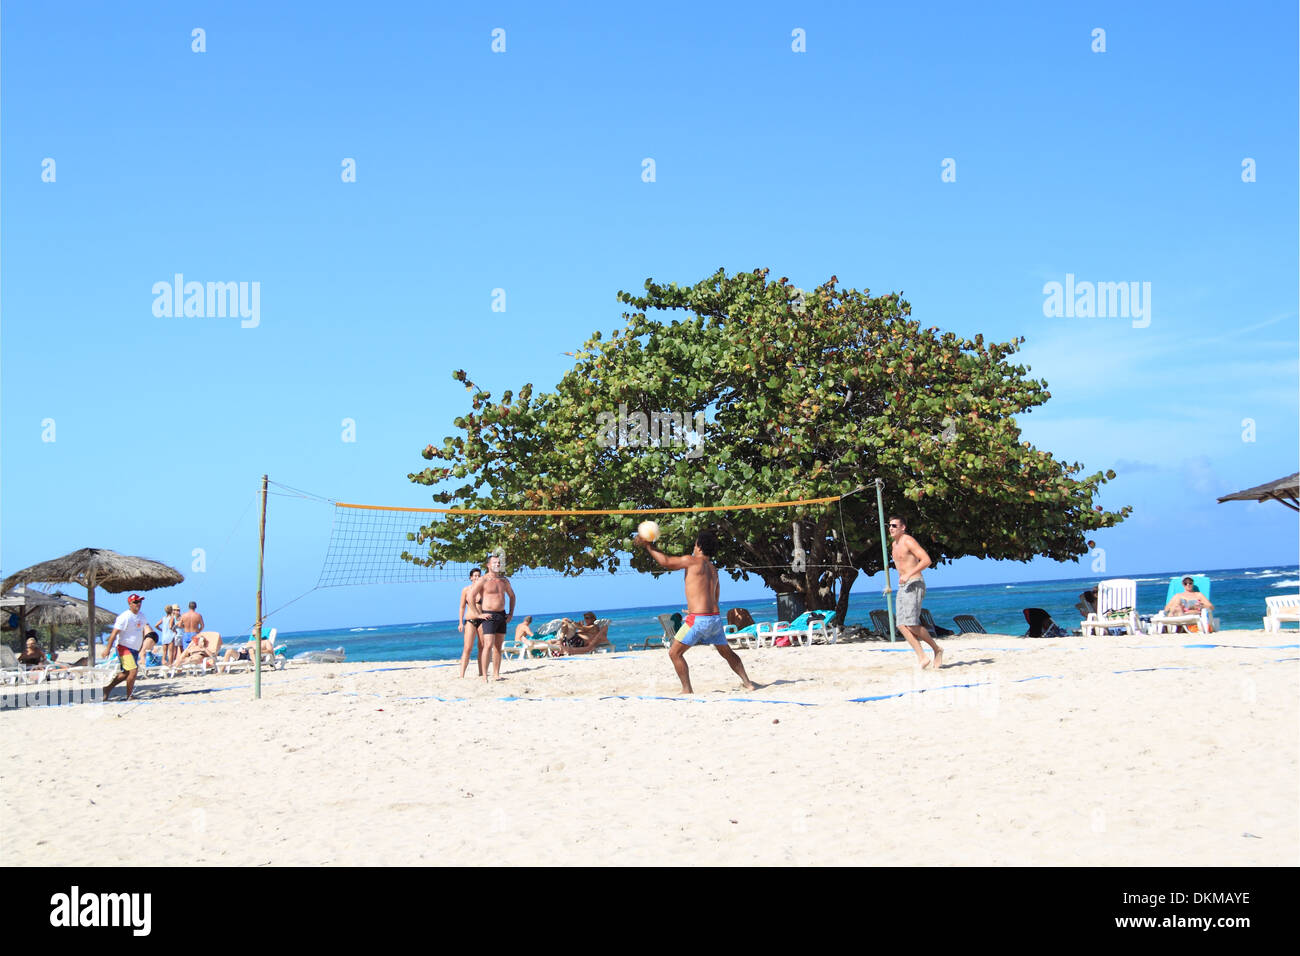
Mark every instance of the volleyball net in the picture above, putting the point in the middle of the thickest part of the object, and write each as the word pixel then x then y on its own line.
pixel 378 544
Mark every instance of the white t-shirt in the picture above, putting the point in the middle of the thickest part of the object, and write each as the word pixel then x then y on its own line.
pixel 130 629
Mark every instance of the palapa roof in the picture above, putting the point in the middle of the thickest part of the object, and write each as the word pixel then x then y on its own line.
pixel 1285 490
pixel 98 568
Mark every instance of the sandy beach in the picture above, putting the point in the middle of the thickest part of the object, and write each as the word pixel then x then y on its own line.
pixel 1118 751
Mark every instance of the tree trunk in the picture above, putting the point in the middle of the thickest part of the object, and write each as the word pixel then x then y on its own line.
pixel 846 585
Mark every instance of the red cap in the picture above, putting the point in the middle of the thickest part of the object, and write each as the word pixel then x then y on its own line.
pixel 134 597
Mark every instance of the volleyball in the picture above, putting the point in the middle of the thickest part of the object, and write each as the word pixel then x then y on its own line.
pixel 648 531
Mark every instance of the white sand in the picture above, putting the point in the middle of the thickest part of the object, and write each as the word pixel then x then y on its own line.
pixel 348 764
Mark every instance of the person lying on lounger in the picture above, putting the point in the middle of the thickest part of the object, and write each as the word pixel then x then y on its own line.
pixel 1190 601
pixel 245 653
pixel 583 638
pixel 202 648
pixel 35 660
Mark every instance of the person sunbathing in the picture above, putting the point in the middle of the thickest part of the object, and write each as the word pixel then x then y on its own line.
pixel 34 659
pixel 202 649
pixel 583 638
pixel 1190 601
pixel 245 653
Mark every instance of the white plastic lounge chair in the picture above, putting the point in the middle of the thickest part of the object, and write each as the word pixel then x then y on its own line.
pixel 765 634
pixel 817 631
pixel 1116 608
pixel 801 632
pixel 608 646
pixel 10 670
pixel 660 640
pixel 276 661
pixel 528 647
pixel 823 632
pixel 736 638
pixel 1282 608
pixel 968 624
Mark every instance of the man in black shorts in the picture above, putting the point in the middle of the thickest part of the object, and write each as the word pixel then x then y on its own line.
pixel 489 593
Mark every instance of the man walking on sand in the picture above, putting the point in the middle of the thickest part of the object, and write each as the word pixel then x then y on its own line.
pixel 489 593
pixel 128 631
pixel 910 559
pixel 703 622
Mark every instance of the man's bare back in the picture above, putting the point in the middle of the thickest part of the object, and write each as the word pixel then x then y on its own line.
pixel 192 622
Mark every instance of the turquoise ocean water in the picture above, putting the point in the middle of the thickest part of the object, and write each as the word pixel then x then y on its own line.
pixel 1238 597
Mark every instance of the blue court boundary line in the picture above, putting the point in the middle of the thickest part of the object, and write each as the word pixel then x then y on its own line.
pixel 40 689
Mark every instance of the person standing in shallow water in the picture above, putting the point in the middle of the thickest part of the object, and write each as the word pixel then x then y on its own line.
pixel 703 622
pixel 910 559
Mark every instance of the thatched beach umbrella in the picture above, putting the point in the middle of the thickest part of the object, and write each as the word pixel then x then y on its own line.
pixel 20 603
pixel 97 568
pixel 1285 490
pixel 69 611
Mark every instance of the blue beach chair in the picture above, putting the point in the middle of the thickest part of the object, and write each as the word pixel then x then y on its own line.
pixel 1203 620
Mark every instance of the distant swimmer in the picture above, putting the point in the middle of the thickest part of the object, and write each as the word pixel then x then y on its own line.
pixel 910 559
pixel 470 620
pixel 489 594
pixel 703 622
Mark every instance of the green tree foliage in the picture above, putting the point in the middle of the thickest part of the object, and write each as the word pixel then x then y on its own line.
pixel 806 395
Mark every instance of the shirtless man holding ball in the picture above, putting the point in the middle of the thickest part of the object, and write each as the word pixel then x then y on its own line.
pixel 703 622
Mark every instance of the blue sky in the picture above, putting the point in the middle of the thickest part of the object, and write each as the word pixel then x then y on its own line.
pixel 522 171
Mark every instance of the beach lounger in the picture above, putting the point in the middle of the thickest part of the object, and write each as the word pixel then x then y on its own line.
pixel 968 624
pixel 659 640
pixel 739 638
pixel 11 671
pixel 823 632
pixel 803 631
pixel 816 627
pixel 1116 608
pixel 1281 609
pixel 14 671
pixel 608 646
pixel 530 647
pixel 274 658
pixel 880 622
pixel 1202 620
pixel 935 630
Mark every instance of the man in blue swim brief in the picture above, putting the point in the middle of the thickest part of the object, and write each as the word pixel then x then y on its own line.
pixel 703 623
